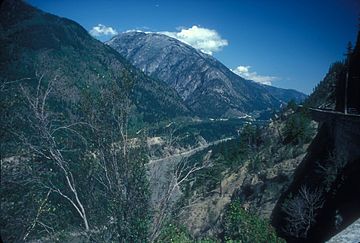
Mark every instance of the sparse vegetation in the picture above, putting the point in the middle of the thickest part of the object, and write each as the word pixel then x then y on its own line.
pixel 331 168
pixel 175 234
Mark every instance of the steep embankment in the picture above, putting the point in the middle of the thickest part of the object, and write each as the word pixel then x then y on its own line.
pixel 254 169
pixel 328 177
pixel 324 196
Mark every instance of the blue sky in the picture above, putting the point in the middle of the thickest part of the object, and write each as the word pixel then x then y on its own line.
pixel 287 43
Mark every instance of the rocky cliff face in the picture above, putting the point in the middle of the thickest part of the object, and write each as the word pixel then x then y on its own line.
pixel 324 196
pixel 206 85
pixel 326 184
pixel 350 234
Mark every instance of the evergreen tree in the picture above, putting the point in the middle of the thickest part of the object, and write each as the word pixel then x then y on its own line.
pixel 349 51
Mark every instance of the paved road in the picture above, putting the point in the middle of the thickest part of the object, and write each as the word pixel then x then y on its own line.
pixel 160 171
pixel 190 152
pixel 334 112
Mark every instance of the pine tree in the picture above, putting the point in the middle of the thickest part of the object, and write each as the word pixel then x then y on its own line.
pixel 349 50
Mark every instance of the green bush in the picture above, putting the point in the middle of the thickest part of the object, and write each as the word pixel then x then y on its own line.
pixel 174 233
pixel 292 105
pixel 243 226
pixel 298 129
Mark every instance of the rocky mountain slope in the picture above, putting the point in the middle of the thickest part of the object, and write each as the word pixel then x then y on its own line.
pixel 208 87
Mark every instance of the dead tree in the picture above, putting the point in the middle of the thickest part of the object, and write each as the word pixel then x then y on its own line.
pixel 120 158
pixel 301 211
pixel 171 138
pixel 36 221
pixel 181 174
pixel 113 154
pixel 47 146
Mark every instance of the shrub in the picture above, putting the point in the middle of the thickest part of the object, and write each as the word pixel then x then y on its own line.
pixel 298 129
pixel 174 233
pixel 243 226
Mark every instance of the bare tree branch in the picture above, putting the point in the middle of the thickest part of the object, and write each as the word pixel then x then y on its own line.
pixel 181 174
pixel 301 211
pixel 37 104
pixel 39 211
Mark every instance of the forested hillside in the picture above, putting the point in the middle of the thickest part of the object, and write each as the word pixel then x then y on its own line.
pixel 70 106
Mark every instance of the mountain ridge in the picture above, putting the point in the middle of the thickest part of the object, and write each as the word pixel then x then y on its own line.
pixel 35 41
pixel 200 79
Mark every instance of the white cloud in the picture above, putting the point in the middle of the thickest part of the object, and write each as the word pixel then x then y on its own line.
pixel 244 72
pixel 102 30
pixel 206 40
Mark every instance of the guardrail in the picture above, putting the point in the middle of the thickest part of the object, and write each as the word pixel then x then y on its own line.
pixel 322 115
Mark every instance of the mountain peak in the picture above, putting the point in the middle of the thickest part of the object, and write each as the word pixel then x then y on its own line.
pixel 155 40
pixel 200 79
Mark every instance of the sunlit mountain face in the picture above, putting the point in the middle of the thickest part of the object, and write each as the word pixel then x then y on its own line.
pixel 199 78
